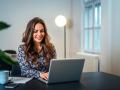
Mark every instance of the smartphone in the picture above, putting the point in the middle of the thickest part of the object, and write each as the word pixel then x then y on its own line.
pixel 11 85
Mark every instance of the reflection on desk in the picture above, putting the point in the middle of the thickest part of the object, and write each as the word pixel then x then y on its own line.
pixel 89 81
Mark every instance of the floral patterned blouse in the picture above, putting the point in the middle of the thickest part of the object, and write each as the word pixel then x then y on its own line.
pixel 28 69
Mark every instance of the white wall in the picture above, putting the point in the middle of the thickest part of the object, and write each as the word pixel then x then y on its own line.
pixel 105 61
pixel 110 56
pixel 17 13
pixel 115 56
pixel 75 33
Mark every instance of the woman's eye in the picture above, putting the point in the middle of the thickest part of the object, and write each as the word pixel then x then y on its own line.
pixel 42 31
pixel 35 31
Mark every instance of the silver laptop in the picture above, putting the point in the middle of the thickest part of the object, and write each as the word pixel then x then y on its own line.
pixel 64 70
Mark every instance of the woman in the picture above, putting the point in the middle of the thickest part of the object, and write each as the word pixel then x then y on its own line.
pixel 35 54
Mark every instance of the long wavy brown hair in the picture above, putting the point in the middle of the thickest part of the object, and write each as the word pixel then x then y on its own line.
pixel 29 47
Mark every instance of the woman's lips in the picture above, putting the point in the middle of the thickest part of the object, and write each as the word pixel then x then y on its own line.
pixel 39 38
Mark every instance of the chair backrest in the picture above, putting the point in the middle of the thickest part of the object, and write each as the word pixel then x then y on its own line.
pixel 16 71
pixel 4 66
pixel 10 51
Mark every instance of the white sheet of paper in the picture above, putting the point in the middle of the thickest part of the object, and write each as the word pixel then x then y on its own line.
pixel 21 80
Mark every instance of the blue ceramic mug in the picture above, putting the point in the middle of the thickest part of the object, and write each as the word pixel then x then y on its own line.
pixel 4 75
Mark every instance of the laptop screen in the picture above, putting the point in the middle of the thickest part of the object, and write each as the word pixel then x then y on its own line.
pixel 65 70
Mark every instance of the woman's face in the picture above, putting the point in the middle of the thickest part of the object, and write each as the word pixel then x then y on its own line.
pixel 39 33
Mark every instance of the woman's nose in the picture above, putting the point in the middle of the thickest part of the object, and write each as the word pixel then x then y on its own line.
pixel 39 33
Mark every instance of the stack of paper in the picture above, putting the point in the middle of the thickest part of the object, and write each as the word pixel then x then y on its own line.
pixel 19 80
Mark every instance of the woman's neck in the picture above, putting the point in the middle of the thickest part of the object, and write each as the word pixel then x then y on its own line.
pixel 38 47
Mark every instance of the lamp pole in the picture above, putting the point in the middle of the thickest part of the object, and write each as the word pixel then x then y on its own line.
pixel 65 41
pixel 61 22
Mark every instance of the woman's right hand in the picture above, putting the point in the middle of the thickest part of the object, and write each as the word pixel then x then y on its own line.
pixel 44 75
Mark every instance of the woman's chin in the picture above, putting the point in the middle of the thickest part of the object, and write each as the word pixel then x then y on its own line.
pixel 38 41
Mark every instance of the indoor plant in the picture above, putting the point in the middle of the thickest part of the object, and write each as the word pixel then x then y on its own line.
pixel 4 57
pixel 3 25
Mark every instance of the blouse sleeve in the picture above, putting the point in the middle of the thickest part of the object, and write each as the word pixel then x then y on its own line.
pixel 26 70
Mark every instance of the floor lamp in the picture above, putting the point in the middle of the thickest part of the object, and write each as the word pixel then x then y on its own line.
pixel 61 21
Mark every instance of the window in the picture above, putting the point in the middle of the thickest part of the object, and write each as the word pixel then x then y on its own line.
pixel 92 26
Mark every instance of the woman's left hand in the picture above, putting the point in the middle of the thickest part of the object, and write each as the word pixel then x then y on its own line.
pixel 44 75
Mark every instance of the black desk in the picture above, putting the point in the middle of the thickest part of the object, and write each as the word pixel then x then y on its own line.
pixel 89 81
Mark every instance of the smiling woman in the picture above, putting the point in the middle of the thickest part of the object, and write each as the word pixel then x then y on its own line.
pixel 35 54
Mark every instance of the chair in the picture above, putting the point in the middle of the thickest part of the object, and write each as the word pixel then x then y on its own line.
pixel 3 64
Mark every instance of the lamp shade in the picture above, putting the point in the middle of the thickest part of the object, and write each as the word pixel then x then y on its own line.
pixel 60 21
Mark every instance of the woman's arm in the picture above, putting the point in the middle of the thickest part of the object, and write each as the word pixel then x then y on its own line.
pixel 26 70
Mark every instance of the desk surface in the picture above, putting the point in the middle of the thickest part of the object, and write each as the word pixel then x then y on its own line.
pixel 89 81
